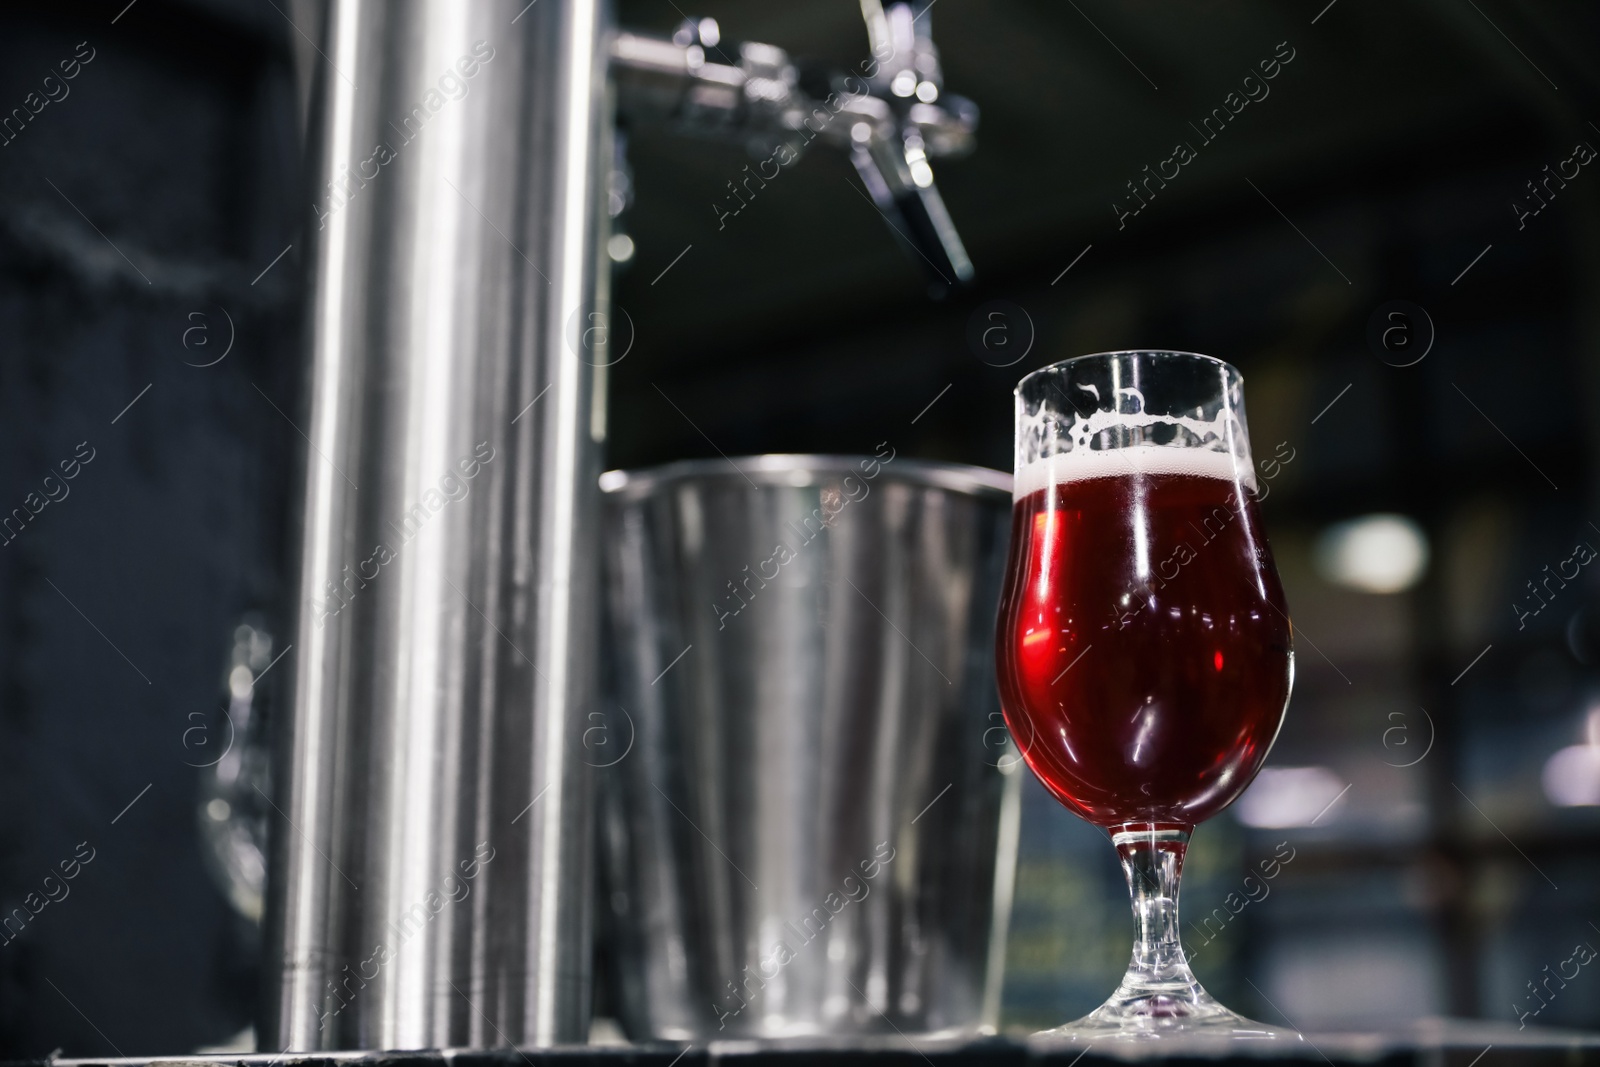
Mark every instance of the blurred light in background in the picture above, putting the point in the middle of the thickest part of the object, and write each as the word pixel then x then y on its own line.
pixel 1381 553
pixel 1572 776
pixel 620 248
pixel 1288 796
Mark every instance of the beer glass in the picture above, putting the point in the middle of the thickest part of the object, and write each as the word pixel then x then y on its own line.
pixel 1145 653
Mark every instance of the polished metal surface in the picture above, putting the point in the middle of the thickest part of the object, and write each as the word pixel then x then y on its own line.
pixel 889 113
pixel 430 875
pixel 809 803
pixel 234 758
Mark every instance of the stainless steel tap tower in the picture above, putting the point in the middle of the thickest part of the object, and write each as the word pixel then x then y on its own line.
pixel 431 861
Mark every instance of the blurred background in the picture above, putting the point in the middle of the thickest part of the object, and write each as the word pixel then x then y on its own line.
pixel 1396 238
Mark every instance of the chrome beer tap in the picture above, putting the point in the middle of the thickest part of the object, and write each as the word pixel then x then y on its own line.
pixel 890 114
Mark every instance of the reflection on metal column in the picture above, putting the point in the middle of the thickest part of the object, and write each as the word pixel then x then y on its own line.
pixel 430 868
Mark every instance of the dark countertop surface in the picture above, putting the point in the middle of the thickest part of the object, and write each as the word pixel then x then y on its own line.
pixel 1428 1043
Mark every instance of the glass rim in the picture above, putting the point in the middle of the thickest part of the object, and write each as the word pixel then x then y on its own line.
pixel 1062 364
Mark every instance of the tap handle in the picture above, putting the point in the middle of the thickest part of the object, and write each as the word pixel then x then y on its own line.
pixel 917 215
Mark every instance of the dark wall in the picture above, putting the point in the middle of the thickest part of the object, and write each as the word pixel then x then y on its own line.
pixel 138 209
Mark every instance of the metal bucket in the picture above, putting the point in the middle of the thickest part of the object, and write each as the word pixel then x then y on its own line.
pixel 809 805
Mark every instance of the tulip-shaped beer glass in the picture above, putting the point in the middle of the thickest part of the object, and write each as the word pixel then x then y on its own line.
pixel 1145 652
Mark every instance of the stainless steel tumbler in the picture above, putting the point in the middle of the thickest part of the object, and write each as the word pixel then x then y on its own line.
pixel 809 805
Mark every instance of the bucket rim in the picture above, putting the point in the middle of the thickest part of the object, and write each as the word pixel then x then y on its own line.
pixel 802 470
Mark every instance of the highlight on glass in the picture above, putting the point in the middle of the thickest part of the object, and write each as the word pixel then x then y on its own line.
pixel 1144 648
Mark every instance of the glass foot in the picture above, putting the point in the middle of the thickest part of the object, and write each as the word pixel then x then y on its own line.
pixel 1167 1010
pixel 1159 996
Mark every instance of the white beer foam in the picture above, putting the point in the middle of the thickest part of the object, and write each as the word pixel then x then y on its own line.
pixel 1083 464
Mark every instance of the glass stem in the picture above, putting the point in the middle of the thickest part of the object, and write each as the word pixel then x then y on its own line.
pixel 1159 993
pixel 1152 860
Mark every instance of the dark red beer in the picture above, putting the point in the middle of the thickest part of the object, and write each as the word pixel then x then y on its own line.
pixel 1143 643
